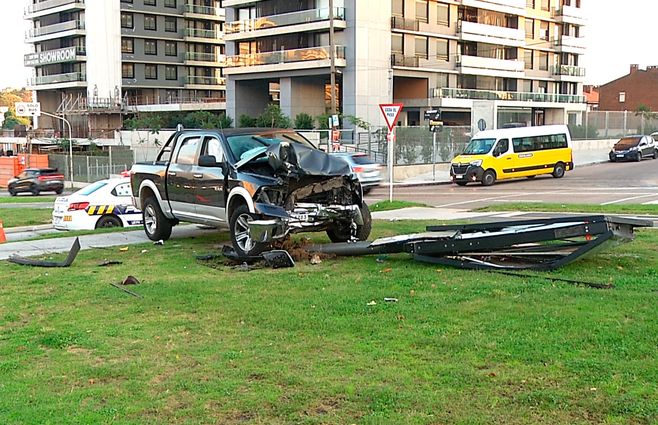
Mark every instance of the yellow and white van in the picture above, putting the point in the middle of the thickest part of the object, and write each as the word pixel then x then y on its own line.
pixel 512 153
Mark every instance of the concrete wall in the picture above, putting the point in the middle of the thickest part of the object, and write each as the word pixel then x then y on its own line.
pixel 302 94
pixel 246 97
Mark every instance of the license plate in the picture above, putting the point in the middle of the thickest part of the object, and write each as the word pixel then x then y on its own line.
pixel 620 155
pixel 57 220
pixel 459 176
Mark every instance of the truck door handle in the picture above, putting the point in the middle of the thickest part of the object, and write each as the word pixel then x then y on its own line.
pixel 171 173
pixel 198 176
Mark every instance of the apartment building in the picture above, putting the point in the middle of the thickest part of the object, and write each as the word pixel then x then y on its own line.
pixel 96 60
pixel 509 61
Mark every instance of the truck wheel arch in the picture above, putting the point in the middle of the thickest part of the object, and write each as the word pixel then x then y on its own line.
pixel 237 196
pixel 148 188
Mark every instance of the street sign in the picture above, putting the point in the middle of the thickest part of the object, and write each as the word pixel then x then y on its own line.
pixel 391 113
pixel 28 109
pixel 334 121
pixel 433 114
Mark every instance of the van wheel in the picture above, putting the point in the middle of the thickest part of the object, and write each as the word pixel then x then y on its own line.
pixel 558 171
pixel 488 178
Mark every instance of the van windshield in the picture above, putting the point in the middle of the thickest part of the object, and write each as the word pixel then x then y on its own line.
pixel 479 146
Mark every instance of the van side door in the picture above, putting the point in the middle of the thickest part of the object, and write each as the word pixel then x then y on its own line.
pixel 504 158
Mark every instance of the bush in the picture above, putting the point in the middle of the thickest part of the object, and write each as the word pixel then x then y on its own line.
pixel 304 121
pixel 273 118
pixel 246 121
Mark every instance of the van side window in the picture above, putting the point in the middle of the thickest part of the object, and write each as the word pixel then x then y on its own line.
pixel 502 147
pixel 538 143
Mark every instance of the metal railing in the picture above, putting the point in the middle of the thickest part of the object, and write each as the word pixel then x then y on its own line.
pixel 200 33
pixel 285 56
pixel 202 10
pixel 49 4
pixel 284 19
pixel 200 57
pixel 574 71
pixel 398 59
pixel 58 78
pixel 455 93
pixel 52 29
pixel 401 23
pixel 205 81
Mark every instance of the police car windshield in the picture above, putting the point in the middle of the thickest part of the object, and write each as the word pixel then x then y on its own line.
pixel 479 146
pixel 88 190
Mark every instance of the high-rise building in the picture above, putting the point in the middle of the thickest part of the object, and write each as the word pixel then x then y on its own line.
pixel 493 62
pixel 96 60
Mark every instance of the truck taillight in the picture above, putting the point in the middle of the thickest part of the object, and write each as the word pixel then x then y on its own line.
pixel 76 206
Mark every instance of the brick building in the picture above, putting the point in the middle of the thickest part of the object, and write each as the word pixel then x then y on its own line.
pixel 639 87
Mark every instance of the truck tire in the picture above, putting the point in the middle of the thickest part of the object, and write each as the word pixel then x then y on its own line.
pixel 239 228
pixel 156 225
pixel 340 232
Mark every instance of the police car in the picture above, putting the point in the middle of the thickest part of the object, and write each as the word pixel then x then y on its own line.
pixel 105 203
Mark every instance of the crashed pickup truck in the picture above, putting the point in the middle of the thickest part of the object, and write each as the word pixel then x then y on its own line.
pixel 262 183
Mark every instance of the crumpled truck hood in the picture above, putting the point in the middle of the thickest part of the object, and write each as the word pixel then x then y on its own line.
pixel 301 159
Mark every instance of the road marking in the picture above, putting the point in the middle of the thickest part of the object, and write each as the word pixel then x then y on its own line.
pixel 626 199
pixel 510 214
pixel 651 203
pixel 481 200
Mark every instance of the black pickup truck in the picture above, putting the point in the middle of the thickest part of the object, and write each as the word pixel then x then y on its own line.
pixel 262 183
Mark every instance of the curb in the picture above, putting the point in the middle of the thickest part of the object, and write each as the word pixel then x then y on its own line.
pixel 36 228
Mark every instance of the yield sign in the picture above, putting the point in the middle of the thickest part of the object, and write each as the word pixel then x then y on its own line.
pixel 391 113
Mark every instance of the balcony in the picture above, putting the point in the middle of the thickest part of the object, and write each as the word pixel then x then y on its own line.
pixel 59 79
pixel 63 29
pixel 400 23
pixel 399 59
pixel 568 73
pixel 570 44
pixel 569 15
pixel 490 66
pixel 47 57
pixel 194 11
pixel 52 6
pixel 491 34
pixel 284 60
pixel 203 36
pixel 196 81
pixel 454 93
pixel 303 17
pixel 514 7
pixel 205 58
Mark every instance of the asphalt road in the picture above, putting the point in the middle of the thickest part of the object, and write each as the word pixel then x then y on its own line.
pixel 603 184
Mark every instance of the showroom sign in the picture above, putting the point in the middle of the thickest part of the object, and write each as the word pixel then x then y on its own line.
pixel 66 54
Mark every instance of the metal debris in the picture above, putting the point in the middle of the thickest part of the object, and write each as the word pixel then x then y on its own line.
pixel 75 248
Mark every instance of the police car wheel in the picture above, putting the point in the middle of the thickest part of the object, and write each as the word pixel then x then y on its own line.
pixel 108 221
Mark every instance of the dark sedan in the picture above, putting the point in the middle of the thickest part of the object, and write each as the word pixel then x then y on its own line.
pixel 634 148
pixel 37 180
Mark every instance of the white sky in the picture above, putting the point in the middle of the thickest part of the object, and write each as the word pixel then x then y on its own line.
pixel 617 34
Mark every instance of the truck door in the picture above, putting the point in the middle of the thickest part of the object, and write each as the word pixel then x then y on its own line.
pixel 180 181
pixel 210 199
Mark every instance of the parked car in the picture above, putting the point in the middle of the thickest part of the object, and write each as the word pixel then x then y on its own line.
pixel 105 203
pixel 262 183
pixel 634 148
pixel 37 180
pixel 367 170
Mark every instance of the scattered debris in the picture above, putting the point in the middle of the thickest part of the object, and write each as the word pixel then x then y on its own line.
pixel 109 263
pixel 278 259
pixel 315 259
pixel 75 248
pixel 558 279
pixel 159 242
pixel 144 251
pixel 381 259
pixel 390 300
pixel 123 249
pixel 373 302
pixel 208 257
pixel 134 294
pixel 130 280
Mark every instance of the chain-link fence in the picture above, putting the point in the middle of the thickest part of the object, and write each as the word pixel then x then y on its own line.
pixel 92 168
pixel 611 124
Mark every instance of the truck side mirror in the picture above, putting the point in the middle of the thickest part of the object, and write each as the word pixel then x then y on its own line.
pixel 208 161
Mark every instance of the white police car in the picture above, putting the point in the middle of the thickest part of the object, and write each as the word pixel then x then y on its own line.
pixel 105 203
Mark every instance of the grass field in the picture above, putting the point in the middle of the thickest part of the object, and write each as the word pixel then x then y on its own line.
pixel 22 198
pixel 13 217
pixel 317 344
pixel 575 208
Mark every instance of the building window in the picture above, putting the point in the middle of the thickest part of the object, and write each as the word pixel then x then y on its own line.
pixel 528 58
pixel 421 10
pixel 170 24
pixel 127 45
pixel 622 96
pixel 545 4
pixel 441 80
pixel 529 28
pixel 398 7
pixel 397 43
pixel 543 30
pixel 128 70
pixel 151 72
pixel 530 3
pixel 543 61
pixel 127 1
pixel 170 3
pixel 127 20
pixel 149 2
pixel 171 48
pixel 443 14
pixel 442 49
pixel 542 86
pixel 150 47
pixel 421 47
pixel 171 73
pixel 150 22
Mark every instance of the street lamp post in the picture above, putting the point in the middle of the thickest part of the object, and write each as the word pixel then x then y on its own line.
pixel 70 142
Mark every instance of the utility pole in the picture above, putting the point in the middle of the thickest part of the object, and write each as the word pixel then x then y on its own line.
pixel 332 57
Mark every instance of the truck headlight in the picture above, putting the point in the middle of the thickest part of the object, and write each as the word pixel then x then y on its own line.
pixel 476 163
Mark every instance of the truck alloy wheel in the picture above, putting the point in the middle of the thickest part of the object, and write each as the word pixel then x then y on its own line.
pixel 243 244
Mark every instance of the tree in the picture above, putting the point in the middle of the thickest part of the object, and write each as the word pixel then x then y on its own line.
pixel 273 118
pixel 246 121
pixel 304 121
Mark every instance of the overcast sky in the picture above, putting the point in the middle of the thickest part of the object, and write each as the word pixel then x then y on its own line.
pixel 616 37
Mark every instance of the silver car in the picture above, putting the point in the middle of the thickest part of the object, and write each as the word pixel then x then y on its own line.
pixel 367 170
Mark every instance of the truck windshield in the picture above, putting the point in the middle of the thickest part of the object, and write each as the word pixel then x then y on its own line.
pixel 479 146
pixel 244 143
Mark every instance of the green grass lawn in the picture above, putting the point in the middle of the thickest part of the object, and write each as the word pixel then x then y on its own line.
pixel 302 345
pixel 393 205
pixel 22 198
pixel 14 217
pixel 574 208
